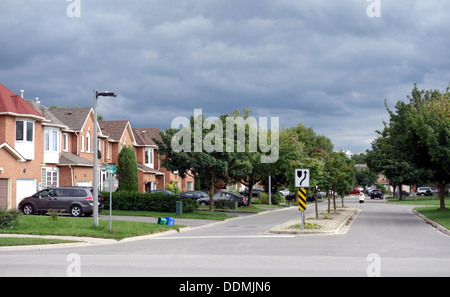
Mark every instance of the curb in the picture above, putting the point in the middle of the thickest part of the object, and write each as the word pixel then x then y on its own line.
pixel 346 220
pixel 427 220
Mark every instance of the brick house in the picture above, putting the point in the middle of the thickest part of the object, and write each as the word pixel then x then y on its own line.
pixel 48 147
pixel 150 173
pixel 21 148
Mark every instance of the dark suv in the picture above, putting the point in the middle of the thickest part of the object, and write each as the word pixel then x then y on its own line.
pixel 74 200
pixel 376 194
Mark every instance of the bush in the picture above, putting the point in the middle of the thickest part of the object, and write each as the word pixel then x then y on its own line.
pixel 129 200
pixel 9 218
pixel 264 198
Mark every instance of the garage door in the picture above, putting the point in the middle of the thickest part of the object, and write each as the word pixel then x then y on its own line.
pixel 24 188
pixel 83 183
pixel 3 193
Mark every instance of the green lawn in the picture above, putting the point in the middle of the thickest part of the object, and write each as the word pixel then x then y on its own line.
pixel 11 241
pixel 442 217
pixel 420 200
pixel 203 215
pixel 69 226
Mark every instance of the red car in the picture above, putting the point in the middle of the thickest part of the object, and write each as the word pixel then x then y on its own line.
pixel 355 191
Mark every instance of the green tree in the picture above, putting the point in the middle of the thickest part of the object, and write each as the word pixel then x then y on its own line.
pixel 184 151
pixel 365 177
pixel 127 170
pixel 249 166
pixel 430 117
pixel 414 146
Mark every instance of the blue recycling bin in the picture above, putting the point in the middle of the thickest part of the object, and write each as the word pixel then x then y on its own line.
pixel 170 221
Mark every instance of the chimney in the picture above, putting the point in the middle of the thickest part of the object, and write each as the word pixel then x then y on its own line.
pixel 21 93
pixel 37 101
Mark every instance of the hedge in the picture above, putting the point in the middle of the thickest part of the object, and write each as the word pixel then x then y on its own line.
pixel 125 200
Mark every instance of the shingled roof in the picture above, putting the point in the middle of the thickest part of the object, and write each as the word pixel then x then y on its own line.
pixel 115 129
pixel 144 136
pixel 74 117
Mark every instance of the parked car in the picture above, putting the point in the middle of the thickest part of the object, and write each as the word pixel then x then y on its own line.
pixel 355 191
pixel 423 190
pixel 255 192
pixel 74 200
pixel 284 192
pixel 404 193
pixel 194 194
pixel 376 194
pixel 162 191
pixel 225 196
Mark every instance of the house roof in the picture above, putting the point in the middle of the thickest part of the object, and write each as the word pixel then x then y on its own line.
pixel 144 136
pixel 15 105
pixel 146 169
pixel 72 159
pixel 116 129
pixel 74 118
pixel 52 119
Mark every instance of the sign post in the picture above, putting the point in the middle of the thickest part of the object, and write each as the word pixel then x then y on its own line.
pixel 110 169
pixel 302 181
pixel 302 203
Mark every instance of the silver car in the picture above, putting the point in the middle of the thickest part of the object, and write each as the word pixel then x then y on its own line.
pixel 74 200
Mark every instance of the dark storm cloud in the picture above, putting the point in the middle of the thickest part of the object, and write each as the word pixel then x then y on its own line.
pixel 324 63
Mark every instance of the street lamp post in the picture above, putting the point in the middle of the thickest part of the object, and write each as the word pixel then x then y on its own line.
pixel 95 155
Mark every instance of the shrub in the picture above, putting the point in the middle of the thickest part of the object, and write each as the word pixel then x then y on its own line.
pixel 9 218
pixel 127 171
pixel 130 200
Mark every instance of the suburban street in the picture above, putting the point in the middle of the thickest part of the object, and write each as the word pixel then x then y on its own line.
pixel 402 244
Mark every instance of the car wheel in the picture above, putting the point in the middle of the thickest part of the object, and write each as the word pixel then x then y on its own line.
pixel 76 211
pixel 203 203
pixel 28 209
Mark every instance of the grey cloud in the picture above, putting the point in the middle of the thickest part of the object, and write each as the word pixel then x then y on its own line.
pixel 318 62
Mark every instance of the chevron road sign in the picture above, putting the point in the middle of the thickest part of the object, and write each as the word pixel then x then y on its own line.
pixel 301 199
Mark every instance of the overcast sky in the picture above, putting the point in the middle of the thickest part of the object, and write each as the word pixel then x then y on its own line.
pixel 325 63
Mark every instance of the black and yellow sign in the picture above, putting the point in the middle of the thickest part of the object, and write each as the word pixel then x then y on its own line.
pixel 301 199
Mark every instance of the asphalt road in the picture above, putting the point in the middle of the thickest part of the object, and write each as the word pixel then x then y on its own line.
pixel 384 240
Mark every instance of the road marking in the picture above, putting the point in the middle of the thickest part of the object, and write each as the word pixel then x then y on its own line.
pixel 231 236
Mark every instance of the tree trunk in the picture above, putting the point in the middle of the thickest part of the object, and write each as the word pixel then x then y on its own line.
pixel 211 192
pixel 334 198
pixel 400 194
pixel 442 196
pixel 329 204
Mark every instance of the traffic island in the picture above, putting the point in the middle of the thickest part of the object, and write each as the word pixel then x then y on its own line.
pixel 327 223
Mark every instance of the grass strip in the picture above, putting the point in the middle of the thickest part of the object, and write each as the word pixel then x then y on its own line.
pixel 12 241
pixel 69 226
pixel 440 216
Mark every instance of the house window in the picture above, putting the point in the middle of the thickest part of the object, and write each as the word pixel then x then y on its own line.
pixel 24 131
pixel 66 142
pixel 50 177
pixel 51 140
pixel 88 142
pixel 82 143
pixel 149 157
